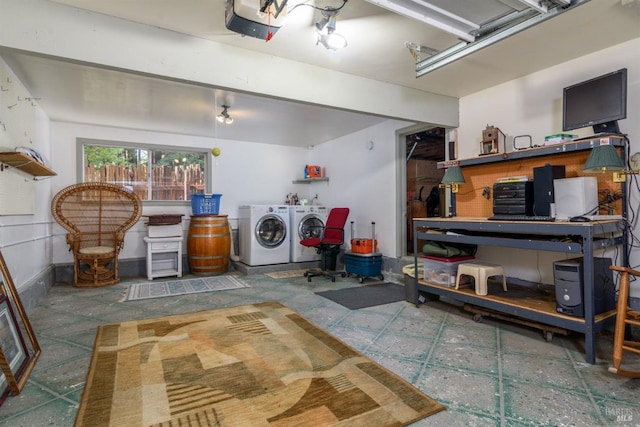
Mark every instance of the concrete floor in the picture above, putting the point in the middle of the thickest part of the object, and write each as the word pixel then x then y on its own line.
pixel 490 373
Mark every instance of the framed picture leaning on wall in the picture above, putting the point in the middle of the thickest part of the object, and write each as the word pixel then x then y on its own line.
pixel 19 348
pixel 13 350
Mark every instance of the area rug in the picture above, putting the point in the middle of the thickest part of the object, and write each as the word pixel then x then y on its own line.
pixel 366 295
pixel 251 365
pixel 285 274
pixel 147 290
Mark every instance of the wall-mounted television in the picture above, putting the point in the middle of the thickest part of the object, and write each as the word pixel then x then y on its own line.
pixel 599 102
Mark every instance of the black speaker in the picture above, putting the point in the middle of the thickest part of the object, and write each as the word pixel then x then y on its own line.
pixel 568 278
pixel 543 187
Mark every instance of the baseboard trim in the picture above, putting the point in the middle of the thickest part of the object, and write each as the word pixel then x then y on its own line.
pixel 32 291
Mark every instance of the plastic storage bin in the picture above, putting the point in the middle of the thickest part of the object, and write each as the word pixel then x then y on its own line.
pixel 442 271
pixel 363 265
pixel 205 204
pixel 364 246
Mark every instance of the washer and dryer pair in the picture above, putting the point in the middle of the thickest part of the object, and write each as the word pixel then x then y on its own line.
pixel 306 221
pixel 271 234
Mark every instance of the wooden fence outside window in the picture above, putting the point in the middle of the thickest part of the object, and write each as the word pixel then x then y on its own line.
pixel 167 182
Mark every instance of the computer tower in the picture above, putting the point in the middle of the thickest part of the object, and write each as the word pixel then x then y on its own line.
pixel 543 187
pixel 568 277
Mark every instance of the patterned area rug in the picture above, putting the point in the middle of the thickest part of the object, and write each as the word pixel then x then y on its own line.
pixel 147 290
pixel 285 274
pixel 260 364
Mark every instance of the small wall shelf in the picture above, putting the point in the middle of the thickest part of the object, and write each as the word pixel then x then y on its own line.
pixel 310 180
pixel 25 163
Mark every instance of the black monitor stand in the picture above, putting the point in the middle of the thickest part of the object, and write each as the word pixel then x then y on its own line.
pixel 608 127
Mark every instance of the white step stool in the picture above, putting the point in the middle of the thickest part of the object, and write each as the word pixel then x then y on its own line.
pixel 480 273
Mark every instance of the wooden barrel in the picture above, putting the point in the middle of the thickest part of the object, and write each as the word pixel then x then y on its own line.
pixel 208 244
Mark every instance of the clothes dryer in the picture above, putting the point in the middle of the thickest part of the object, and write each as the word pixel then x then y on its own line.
pixel 263 234
pixel 306 221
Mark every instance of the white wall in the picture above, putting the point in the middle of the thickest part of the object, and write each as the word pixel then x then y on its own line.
pixel 244 173
pixel 364 180
pixel 24 239
pixel 533 105
pixel 255 173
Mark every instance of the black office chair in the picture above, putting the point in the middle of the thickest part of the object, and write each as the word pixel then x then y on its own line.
pixel 328 244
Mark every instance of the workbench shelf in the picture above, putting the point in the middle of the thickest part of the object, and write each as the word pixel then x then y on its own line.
pixel 542 151
pixel 580 239
pixel 586 237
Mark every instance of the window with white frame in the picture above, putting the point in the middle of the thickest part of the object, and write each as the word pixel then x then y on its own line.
pixel 153 173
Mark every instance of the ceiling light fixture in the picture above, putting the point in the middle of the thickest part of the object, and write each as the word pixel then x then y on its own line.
pixel 224 116
pixel 326 31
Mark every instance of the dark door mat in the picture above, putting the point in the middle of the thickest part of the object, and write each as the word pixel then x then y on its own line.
pixel 366 295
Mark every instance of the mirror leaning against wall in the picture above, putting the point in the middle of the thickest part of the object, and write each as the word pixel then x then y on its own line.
pixel 19 348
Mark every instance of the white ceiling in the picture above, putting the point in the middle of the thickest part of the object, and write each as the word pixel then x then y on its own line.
pixel 79 93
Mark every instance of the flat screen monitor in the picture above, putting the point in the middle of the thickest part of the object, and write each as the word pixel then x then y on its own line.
pixel 599 102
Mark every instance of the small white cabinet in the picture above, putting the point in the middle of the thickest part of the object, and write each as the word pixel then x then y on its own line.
pixel 164 251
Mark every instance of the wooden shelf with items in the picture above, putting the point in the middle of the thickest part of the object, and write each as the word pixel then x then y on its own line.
pixel 540 151
pixel 25 163
pixel 474 199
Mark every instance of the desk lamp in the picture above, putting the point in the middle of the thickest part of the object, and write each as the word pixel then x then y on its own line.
pixel 452 177
pixel 603 158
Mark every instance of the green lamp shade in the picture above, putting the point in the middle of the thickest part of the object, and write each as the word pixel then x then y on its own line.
pixel 453 175
pixel 603 158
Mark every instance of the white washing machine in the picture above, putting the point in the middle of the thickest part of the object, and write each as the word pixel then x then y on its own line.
pixel 306 221
pixel 263 234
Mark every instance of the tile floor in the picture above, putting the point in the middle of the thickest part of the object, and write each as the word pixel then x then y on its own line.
pixel 489 373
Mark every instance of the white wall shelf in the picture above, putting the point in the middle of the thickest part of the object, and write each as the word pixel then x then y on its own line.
pixel 310 180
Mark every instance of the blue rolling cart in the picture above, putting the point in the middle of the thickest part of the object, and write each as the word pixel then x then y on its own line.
pixel 364 265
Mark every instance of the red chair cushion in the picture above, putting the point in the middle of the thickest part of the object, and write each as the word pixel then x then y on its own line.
pixel 333 231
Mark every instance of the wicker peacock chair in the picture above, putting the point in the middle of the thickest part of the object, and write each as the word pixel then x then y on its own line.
pixel 96 216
